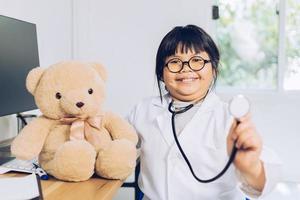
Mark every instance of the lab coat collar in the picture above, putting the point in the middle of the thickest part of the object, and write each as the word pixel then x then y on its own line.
pixel 164 118
pixel 208 103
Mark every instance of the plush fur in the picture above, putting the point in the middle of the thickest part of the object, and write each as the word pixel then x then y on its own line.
pixel 48 138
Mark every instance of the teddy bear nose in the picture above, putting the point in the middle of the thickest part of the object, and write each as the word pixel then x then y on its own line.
pixel 79 104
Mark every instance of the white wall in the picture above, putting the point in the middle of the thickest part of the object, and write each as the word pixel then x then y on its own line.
pixel 54 29
pixel 124 36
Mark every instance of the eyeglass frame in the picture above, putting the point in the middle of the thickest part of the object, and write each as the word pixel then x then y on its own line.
pixel 188 63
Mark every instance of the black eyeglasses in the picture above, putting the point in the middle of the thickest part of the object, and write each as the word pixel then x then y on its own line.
pixel 195 63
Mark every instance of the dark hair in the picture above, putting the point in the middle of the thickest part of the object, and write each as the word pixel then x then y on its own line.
pixel 189 37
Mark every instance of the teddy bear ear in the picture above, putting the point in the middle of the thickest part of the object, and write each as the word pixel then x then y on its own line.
pixel 101 70
pixel 33 79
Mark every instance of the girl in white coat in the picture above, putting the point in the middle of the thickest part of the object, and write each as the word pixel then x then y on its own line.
pixel 187 65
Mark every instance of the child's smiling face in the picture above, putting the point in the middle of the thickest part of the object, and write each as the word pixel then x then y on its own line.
pixel 188 85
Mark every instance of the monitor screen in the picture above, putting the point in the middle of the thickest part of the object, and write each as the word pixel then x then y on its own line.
pixel 18 55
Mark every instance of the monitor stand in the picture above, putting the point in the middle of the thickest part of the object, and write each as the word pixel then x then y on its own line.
pixel 5 154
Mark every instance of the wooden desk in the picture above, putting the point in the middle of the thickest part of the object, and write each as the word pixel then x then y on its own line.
pixel 53 189
pixel 92 189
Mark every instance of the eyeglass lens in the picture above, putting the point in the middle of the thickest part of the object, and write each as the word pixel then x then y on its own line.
pixel 195 63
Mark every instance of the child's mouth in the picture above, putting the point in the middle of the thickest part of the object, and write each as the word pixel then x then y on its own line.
pixel 186 80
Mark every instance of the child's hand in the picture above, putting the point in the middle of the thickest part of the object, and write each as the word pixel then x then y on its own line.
pixel 249 145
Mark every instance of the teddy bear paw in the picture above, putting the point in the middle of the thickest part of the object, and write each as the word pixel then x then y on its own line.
pixel 118 161
pixel 74 161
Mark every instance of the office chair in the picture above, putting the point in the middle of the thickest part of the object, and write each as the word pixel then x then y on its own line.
pixel 138 194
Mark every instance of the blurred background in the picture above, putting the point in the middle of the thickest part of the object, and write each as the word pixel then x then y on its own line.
pixel 259 41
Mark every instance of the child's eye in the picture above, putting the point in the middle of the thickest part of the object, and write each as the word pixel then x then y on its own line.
pixel 58 95
pixel 90 91
pixel 174 61
pixel 196 60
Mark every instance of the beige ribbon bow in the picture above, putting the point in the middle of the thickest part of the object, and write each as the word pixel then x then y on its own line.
pixel 84 128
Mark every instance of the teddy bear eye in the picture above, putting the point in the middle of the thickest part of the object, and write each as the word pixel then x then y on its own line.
pixel 58 95
pixel 90 91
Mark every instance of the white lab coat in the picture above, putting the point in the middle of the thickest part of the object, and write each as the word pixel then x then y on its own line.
pixel 164 173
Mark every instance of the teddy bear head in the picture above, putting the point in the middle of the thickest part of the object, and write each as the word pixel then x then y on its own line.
pixel 68 89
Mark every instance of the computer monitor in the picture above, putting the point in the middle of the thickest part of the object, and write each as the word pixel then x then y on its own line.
pixel 18 55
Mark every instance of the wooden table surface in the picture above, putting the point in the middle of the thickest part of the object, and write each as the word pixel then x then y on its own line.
pixel 93 189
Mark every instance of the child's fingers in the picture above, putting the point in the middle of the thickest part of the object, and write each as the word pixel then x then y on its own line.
pixel 249 140
pixel 240 128
pixel 233 126
pixel 243 126
pixel 243 139
pixel 230 136
pixel 246 117
pixel 232 129
pixel 250 143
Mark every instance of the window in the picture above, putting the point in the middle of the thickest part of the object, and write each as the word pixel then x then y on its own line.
pixel 253 53
pixel 292 30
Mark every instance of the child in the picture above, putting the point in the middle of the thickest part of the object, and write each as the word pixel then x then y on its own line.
pixel 187 65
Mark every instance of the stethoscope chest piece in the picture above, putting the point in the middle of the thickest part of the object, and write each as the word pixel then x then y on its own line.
pixel 239 106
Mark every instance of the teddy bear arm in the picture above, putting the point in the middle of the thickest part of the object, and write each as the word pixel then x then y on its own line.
pixel 119 128
pixel 30 140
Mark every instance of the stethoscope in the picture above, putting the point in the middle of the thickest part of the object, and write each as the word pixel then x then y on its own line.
pixel 239 106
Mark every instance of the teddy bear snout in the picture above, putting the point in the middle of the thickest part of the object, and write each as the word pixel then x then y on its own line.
pixel 79 104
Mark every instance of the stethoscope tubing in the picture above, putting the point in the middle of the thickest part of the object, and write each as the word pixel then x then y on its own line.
pixel 230 160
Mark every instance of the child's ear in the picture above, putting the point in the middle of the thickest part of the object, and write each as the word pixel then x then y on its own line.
pixel 33 79
pixel 100 69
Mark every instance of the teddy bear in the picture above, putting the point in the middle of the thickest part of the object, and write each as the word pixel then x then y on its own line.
pixel 74 137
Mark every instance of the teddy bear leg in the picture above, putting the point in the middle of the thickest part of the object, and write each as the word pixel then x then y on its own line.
pixel 74 161
pixel 117 161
